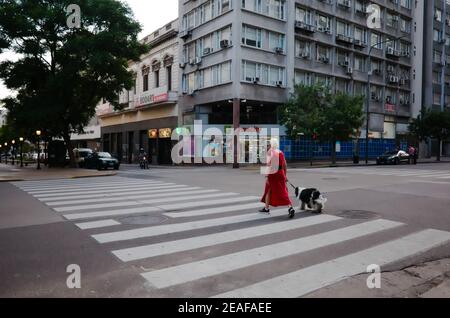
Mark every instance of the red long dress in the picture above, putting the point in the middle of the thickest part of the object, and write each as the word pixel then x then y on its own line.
pixel 276 183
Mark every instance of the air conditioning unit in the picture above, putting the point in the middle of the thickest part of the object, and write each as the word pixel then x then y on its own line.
pixel 390 69
pixel 198 60
pixel 279 50
pixel 280 83
pixel 207 51
pixel 192 61
pixel 390 50
pixel 349 70
pixel 224 44
pixel 402 81
pixel 346 63
pixel 183 64
pixel 255 80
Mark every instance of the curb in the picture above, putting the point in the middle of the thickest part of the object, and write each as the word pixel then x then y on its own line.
pixel 12 180
pixel 95 176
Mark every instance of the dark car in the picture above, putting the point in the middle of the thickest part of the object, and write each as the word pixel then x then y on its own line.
pixel 101 161
pixel 393 158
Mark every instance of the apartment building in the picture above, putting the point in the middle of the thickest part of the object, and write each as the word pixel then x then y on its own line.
pixel 436 60
pixel 240 59
pixel 151 108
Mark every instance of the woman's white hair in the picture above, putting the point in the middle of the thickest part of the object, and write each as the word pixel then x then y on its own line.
pixel 274 144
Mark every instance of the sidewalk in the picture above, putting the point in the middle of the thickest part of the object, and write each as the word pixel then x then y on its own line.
pixel 30 173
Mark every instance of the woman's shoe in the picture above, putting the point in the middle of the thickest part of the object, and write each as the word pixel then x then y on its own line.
pixel 291 213
pixel 264 210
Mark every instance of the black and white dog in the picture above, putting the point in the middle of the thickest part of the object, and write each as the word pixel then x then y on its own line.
pixel 310 198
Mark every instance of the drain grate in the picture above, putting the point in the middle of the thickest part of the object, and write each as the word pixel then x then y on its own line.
pixel 144 220
pixel 357 214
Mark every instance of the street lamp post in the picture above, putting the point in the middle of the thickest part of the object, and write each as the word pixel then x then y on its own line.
pixel 38 134
pixel 21 151
pixel 13 152
pixel 6 153
pixel 369 75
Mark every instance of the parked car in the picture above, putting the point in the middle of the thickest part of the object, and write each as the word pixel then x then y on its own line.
pixel 393 157
pixel 81 154
pixel 101 161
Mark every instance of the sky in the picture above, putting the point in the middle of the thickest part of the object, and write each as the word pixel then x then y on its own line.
pixel 150 13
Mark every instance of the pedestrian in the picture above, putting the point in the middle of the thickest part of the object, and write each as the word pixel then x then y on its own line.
pixel 416 154
pixel 276 193
pixel 411 152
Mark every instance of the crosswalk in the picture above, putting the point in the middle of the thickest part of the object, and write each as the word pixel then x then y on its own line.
pixel 212 243
pixel 383 171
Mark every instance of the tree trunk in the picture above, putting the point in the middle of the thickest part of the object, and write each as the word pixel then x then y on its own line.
pixel 69 147
pixel 333 152
pixel 439 149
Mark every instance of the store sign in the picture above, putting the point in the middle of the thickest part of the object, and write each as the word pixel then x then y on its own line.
pixel 389 108
pixel 165 133
pixel 151 99
pixel 153 133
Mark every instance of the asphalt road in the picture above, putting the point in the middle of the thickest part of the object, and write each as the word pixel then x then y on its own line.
pixel 195 232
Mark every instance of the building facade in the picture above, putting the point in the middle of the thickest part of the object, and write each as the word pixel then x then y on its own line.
pixel 436 60
pixel 240 59
pixel 90 138
pixel 150 109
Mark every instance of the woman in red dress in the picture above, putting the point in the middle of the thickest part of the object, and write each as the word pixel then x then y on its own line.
pixel 276 193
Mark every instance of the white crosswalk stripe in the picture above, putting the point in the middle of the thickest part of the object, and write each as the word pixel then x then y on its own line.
pixel 380 171
pixel 299 283
pixel 209 235
pixel 213 266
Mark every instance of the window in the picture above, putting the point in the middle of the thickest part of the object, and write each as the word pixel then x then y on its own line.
pixel 405 25
pixel 145 78
pixel 252 37
pixel 360 35
pixel 263 73
pixel 169 78
pixel 323 54
pixel 272 8
pixel 304 16
pixel 437 77
pixel 276 40
pixel 156 79
pixel 303 49
pixel 323 23
pixel 343 28
pixel 360 63
pixel 375 40
pixel 304 78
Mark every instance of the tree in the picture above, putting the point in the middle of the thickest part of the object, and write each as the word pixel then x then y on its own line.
pixel 431 124
pixel 313 110
pixel 302 114
pixel 63 71
pixel 341 120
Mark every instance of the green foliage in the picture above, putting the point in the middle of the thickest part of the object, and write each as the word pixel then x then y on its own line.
pixel 431 124
pixel 63 72
pixel 314 110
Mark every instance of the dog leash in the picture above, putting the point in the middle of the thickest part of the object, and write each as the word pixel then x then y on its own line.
pixel 293 186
